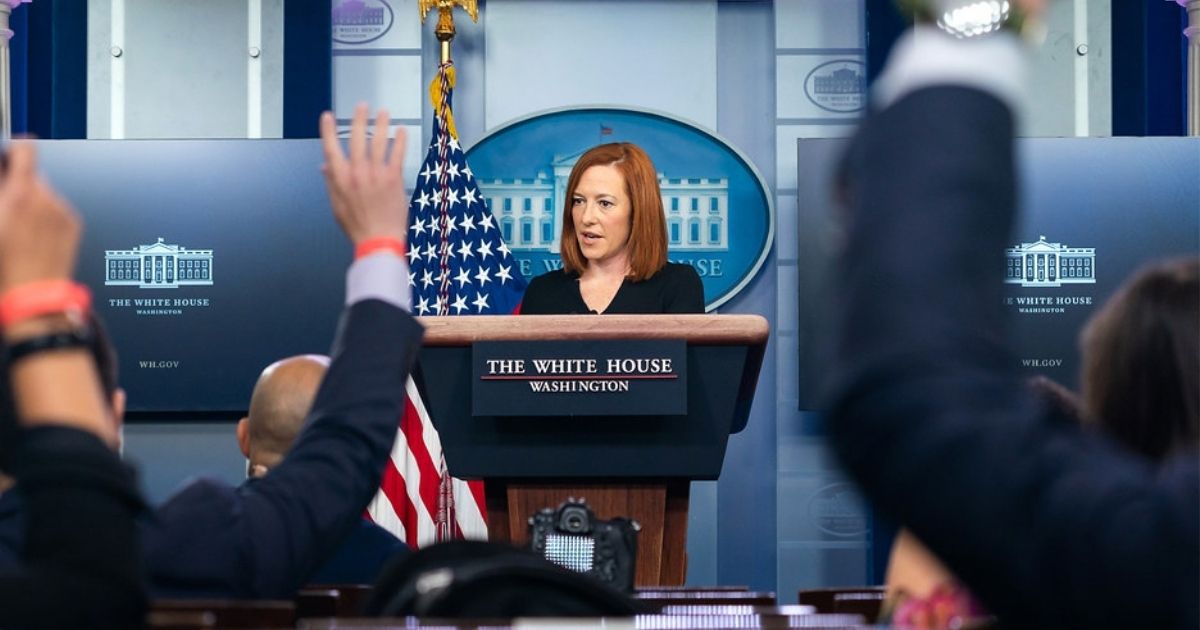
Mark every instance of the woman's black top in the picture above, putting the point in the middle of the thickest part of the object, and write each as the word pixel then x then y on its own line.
pixel 674 289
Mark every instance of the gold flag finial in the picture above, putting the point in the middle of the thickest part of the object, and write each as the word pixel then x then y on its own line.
pixel 445 26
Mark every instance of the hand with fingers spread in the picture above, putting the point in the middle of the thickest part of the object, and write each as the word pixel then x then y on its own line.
pixel 366 187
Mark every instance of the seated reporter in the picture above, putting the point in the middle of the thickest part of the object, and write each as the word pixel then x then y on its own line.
pixel 282 398
pixel 79 565
pixel 267 538
pixel 614 244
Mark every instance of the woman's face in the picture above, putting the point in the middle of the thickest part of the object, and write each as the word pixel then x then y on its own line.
pixel 602 214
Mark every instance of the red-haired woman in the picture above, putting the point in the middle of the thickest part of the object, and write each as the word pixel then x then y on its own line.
pixel 614 243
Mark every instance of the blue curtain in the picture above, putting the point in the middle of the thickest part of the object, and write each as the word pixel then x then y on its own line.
pixel 307 65
pixel 1149 65
pixel 49 70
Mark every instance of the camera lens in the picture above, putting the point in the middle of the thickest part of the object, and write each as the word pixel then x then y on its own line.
pixel 574 520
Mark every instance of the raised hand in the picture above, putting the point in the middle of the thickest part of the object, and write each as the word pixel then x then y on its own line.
pixel 39 232
pixel 366 187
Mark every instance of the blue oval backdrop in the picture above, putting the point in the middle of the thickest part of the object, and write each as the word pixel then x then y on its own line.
pixel 720 216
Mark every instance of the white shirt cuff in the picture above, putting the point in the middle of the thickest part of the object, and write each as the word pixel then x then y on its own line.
pixel 926 57
pixel 380 276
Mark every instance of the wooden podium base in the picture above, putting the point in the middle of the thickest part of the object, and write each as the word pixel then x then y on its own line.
pixel 660 506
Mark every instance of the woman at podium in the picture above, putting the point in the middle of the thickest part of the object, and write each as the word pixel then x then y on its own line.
pixel 614 244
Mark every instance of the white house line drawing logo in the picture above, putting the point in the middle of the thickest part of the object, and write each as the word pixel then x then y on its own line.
pixel 361 21
pixel 837 86
pixel 1042 264
pixel 158 266
pixel 697 209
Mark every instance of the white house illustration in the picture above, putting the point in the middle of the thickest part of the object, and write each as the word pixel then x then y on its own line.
pixel 529 211
pixel 158 266
pixel 1043 264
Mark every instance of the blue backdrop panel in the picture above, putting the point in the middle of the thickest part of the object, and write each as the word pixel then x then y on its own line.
pixel 1128 200
pixel 1111 204
pixel 246 262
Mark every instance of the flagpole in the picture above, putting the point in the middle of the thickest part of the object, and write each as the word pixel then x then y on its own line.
pixel 445 519
pixel 445 26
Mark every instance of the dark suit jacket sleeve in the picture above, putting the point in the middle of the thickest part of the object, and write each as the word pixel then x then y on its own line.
pixel 298 514
pixel 81 565
pixel 1047 525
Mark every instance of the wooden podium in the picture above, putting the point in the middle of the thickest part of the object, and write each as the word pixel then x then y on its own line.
pixel 638 467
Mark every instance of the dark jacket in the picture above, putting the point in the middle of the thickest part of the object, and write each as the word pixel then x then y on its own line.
pixel 263 540
pixel 79 565
pixel 1050 527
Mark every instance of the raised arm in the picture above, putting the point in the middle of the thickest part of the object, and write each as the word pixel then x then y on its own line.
pixel 72 576
pixel 1050 527
pixel 300 512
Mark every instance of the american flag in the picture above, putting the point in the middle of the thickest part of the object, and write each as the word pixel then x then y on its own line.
pixel 458 265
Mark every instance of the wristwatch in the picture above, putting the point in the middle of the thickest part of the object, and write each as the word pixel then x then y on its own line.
pixel 69 339
pixel 967 18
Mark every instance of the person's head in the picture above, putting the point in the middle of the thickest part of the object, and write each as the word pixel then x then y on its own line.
pixel 614 212
pixel 1141 361
pixel 281 401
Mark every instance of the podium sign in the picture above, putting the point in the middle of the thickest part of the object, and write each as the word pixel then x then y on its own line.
pixel 580 378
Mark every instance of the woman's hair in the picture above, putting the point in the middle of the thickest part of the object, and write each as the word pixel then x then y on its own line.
pixel 648 230
pixel 1141 361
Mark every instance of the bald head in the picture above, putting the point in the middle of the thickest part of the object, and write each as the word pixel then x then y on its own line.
pixel 282 398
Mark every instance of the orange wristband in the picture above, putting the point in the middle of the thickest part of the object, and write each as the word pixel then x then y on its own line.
pixel 380 243
pixel 44 297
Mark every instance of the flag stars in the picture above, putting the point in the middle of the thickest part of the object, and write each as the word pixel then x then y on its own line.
pixel 427 173
pixel 430 253
pixel 452 195
pixel 427 279
pixel 463 278
pixel 454 144
pixel 413 255
pixel 423 306
pixel 480 302
pixel 423 200
pixel 484 276
pixel 453 171
pixel 485 250
pixel 467 224
pixel 418 228
pixel 504 274
pixel 486 224
pixel 465 251
pixel 504 250
pixel 412 278
pixel 460 304
pixel 469 197
pixel 466 170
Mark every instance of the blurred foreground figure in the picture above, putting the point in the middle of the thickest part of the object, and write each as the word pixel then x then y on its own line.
pixel 79 567
pixel 1048 524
